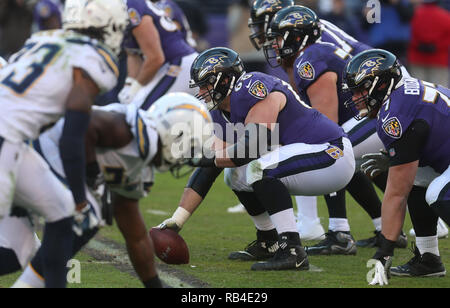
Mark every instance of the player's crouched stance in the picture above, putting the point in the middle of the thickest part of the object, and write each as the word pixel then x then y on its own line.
pixel 261 173
pixel 413 123
pixel 125 145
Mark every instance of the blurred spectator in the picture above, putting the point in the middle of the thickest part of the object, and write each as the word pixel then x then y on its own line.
pixel 216 12
pixel 47 15
pixel 197 22
pixel 312 4
pixel 429 50
pixel 393 32
pixel 336 12
pixel 238 16
pixel 15 24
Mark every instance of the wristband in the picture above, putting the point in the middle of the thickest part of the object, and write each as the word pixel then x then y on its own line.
pixel 180 216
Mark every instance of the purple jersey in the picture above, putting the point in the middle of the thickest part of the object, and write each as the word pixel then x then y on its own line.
pixel 224 129
pixel 333 34
pixel 45 9
pixel 173 44
pixel 174 12
pixel 316 60
pixel 298 123
pixel 419 100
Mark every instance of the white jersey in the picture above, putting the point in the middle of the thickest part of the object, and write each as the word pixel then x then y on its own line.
pixel 126 171
pixel 36 83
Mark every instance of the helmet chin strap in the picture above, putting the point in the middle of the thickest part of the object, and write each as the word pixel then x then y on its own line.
pixel 305 40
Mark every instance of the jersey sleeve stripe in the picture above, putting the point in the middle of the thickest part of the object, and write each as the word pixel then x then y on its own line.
pixel 110 60
pixel 142 137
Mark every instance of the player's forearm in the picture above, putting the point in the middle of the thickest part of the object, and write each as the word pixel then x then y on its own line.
pixel 393 215
pixel 190 200
pixel 149 69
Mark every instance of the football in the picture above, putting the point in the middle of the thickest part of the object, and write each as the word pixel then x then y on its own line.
pixel 170 247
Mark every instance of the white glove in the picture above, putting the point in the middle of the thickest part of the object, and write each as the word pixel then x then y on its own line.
pixel 129 91
pixel 86 220
pixel 176 222
pixel 375 163
pixel 382 275
pixel 170 223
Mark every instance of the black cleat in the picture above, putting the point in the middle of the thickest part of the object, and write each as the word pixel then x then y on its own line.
pixel 263 248
pixel 335 243
pixel 374 241
pixel 255 251
pixel 290 256
pixel 426 265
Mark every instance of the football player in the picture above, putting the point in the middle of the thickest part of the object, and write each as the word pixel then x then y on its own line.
pixel 316 68
pixel 412 119
pixel 81 60
pixel 262 176
pixel 126 146
pixel 159 58
pixel 261 14
pixel 174 12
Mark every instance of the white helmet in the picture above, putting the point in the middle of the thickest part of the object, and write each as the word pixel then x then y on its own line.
pixel 184 125
pixel 2 62
pixel 108 16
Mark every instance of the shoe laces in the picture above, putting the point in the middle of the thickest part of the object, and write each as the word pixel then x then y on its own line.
pixel 417 256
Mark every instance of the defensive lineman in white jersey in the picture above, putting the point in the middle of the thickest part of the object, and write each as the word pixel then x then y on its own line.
pixel 57 73
pixel 127 164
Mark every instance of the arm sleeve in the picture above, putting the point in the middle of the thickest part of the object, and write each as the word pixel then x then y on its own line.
pixel 409 147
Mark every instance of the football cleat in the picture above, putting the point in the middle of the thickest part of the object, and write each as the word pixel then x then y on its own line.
pixel 335 243
pixel 426 265
pixel 374 241
pixel 310 230
pixel 289 256
pixel 263 248
pixel 237 209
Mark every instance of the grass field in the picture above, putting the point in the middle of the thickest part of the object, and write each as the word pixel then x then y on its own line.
pixel 212 234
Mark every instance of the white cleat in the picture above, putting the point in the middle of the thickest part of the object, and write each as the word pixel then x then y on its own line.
pixel 237 209
pixel 442 230
pixel 310 230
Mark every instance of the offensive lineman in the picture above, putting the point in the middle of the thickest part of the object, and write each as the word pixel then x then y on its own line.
pixel 127 145
pixel 80 59
pixel 158 56
pixel 413 122
pixel 312 146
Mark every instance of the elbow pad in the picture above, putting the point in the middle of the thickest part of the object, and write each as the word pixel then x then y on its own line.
pixel 202 179
pixel 255 142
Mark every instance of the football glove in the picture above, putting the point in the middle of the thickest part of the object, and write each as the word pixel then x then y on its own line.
pixel 85 220
pixel 170 223
pixel 382 271
pixel 129 91
pixel 375 163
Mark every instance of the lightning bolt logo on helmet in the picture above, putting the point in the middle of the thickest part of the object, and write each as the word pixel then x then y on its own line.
pixel 211 64
pixel 295 19
pixel 267 7
pixel 368 68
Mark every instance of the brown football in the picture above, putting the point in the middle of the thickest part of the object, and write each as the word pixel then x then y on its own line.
pixel 170 247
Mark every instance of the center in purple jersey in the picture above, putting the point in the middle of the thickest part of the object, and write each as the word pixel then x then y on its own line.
pixel 173 42
pixel 419 100
pixel 298 123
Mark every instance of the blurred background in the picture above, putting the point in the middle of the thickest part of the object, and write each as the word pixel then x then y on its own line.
pixel 417 31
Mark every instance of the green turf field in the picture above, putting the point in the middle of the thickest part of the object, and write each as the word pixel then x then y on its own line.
pixel 212 233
